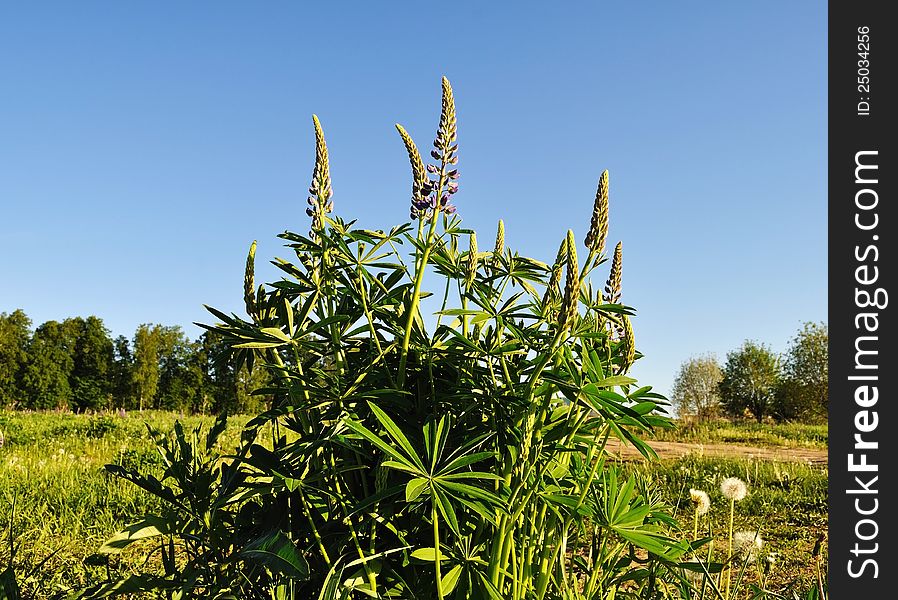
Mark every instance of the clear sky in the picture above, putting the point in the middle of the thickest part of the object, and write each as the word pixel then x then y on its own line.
pixel 144 145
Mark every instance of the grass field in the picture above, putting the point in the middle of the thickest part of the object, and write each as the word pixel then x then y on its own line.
pixel 792 435
pixel 58 504
pixel 58 501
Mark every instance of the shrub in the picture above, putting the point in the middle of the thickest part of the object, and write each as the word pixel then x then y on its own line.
pixel 463 457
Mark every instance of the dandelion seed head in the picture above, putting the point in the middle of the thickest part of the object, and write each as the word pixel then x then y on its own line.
pixel 701 500
pixel 733 488
pixel 747 544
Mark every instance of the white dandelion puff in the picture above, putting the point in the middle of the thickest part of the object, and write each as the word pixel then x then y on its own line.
pixel 701 500
pixel 747 544
pixel 733 488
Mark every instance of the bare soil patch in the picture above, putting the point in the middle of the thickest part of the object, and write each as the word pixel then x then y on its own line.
pixel 670 450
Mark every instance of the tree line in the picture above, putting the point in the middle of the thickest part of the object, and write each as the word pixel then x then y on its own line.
pixel 76 365
pixel 757 383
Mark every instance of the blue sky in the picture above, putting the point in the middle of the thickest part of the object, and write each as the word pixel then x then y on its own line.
pixel 143 146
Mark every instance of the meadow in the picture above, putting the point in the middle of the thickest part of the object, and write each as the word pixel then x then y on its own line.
pixel 59 505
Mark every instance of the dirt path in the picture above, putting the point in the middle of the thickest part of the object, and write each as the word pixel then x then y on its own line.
pixel 678 449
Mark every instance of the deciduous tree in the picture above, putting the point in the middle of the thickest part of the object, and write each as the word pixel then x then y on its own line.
pixel 15 332
pixel 49 365
pixel 696 391
pixel 750 379
pixel 803 391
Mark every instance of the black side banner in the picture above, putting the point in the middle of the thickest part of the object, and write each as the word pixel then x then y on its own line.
pixel 863 372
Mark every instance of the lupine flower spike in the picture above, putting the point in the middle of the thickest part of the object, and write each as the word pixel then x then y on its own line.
pixel 446 152
pixel 613 286
pixel 613 290
pixel 320 190
pixel 598 226
pixel 500 240
pixel 472 262
pixel 629 341
pixel 249 284
pixel 421 186
pixel 571 284
pixel 555 278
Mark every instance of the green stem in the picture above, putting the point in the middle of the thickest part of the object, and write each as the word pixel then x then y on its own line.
pixel 436 549
pixel 416 297
pixel 730 547
pixel 364 296
pixel 315 533
pixel 445 300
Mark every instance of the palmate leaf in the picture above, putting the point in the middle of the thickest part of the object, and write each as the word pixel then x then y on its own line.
pixel 397 456
pixel 624 512
pixel 396 435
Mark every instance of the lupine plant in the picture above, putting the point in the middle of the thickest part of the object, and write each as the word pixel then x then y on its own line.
pixel 459 454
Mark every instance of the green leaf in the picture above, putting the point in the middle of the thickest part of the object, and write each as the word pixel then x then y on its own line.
pixel 480 317
pixel 259 345
pixel 615 380
pixel 279 554
pixel 473 492
pixel 428 554
pixel 275 332
pixel 150 526
pixel 463 461
pixel 133 584
pixel 414 488
pixel 450 579
pixel 394 432
pixel 446 509
pixel 371 437
pixel 404 466
pixel 9 589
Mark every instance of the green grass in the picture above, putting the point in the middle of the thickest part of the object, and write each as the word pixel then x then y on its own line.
pixel 51 466
pixel 793 435
pixel 787 502
pixel 57 501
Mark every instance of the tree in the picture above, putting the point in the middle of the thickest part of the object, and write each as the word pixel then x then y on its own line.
pixel 45 380
pixel 229 388
pixel 15 333
pixel 91 364
pixel 696 392
pixel 750 379
pixel 181 374
pixel 122 372
pixel 803 392
pixel 147 342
